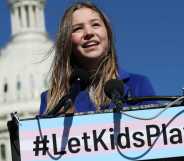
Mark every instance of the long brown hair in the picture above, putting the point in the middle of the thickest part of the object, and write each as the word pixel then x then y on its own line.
pixel 63 62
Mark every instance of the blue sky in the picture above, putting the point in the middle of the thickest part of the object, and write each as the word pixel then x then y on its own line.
pixel 149 36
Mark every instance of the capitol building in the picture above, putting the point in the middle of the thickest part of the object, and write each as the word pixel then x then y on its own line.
pixel 23 67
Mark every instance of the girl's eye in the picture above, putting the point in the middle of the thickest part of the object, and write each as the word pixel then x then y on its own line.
pixel 76 29
pixel 96 24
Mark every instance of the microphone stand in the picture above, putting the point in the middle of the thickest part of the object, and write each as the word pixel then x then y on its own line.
pixel 64 101
pixel 118 101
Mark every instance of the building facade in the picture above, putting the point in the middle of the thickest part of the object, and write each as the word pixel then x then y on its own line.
pixel 23 66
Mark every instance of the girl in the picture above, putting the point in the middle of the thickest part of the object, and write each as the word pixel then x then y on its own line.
pixel 85 40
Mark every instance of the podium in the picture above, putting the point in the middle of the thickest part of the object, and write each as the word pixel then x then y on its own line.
pixel 108 135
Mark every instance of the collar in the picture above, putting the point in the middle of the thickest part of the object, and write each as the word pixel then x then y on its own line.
pixel 124 75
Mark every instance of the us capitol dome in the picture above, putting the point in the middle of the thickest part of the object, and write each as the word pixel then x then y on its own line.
pixel 23 66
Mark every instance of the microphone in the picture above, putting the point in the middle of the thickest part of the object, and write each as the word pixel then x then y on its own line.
pixel 114 89
pixel 79 81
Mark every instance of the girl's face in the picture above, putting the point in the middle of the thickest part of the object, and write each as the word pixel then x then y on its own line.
pixel 89 35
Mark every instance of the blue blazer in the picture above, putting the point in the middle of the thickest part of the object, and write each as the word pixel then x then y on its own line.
pixel 135 85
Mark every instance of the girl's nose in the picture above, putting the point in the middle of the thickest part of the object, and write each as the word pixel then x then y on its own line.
pixel 88 32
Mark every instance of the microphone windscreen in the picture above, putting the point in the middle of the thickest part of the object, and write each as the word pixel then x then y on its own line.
pixel 82 76
pixel 112 86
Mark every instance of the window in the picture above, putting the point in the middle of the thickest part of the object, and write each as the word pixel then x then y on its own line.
pixel 18 88
pixel 5 90
pixel 32 85
pixel 45 83
pixel 18 85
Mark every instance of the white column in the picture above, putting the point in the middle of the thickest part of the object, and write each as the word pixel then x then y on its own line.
pixel 13 23
pixel 31 16
pixel 16 20
pixel 42 19
pixel 37 17
pixel 23 15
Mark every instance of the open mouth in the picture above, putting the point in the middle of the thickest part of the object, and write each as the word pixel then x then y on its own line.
pixel 89 44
